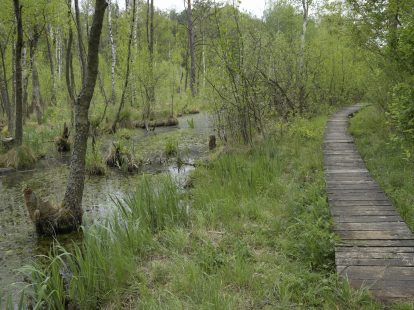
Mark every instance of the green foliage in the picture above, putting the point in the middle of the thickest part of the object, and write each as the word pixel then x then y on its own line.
pixel 171 147
pixel 94 163
pixel 401 116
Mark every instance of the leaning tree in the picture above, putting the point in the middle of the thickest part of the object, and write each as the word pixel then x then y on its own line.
pixel 68 216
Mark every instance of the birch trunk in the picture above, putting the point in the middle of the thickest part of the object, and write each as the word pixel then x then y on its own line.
pixel 36 97
pixel 302 91
pixel 51 64
pixel 113 53
pixel 191 47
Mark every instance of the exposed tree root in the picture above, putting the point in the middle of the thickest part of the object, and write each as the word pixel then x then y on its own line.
pixel 48 219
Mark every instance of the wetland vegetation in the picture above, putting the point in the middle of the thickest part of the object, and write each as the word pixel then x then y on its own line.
pixel 173 159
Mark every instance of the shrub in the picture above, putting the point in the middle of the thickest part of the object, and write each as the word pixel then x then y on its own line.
pixel 401 116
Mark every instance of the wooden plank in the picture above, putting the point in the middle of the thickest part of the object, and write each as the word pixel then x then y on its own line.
pixel 375 235
pixel 340 212
pixel 393 249
pixel 374 261
pixel 367 218
pixel 409 257
pixel 353 187
pixel 374 226
pixel 360 203
pixel 376 248
pixel 382 243
pixel 393 273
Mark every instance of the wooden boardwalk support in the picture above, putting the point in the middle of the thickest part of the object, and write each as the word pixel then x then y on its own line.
pixel 377 248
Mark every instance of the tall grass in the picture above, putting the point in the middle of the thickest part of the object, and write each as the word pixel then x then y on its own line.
pixel 253 233
pixel 92 273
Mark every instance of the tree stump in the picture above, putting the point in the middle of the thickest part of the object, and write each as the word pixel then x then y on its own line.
pixel 48 219
pixel 212 142
pixel 62 142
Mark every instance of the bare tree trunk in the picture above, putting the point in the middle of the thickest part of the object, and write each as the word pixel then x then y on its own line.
pixel 36 97
pixel 204 63
pixel 51 64
pixel 186 70
pixel 302 90
pixel 4 89
pixel 13 102
pixel 80 42
pixel 151 88
pixel 191 47
pixel 74 191
pixel 27 110
pixel 58 53
pixel 19 99
pixel 113 53
pixel 131 33
pixel 68 61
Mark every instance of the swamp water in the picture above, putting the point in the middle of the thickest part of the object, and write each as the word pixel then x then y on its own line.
pixel 19 243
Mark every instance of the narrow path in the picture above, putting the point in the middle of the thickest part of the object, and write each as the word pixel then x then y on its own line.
pixel 377 247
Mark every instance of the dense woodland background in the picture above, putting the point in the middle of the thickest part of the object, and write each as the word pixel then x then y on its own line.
pixel 300 57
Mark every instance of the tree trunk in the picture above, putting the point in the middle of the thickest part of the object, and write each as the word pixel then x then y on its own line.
pixel 19 90
pixel 36 97
pixel 204 62
pixel 74 191
pixel 150 38
pixel 191 47
pixel 13 102
pixel 131 33
pixel 80 42
pixel 51 65
pixel 68 63
pixel 4 89
pixel 113 53
pixel 302 90
pixel 26 70
pixel 58 53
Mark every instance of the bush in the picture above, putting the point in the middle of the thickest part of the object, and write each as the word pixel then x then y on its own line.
pixel 401 116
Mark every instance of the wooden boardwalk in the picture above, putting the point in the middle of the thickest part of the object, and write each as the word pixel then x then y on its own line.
pixel 377 247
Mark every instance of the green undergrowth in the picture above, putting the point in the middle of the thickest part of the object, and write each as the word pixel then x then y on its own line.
pixel 385 159
pixel 19 157
pixel 253 233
